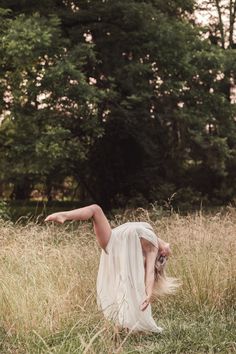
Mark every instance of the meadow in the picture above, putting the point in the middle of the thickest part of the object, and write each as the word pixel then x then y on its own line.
pixel 48 288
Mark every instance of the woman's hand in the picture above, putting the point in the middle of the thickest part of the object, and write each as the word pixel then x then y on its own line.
pixel 164 248
pixel 145 303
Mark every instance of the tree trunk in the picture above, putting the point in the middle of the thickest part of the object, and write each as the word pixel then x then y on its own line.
pixel 21 191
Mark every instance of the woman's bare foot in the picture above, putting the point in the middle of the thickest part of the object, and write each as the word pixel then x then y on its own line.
pixel 59 217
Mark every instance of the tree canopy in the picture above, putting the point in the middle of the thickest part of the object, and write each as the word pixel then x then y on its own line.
pixel 130 99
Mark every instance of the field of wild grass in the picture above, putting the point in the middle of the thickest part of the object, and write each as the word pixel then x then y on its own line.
pixel 48 288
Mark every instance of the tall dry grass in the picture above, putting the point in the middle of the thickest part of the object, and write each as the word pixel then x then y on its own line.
pixel 204 258
pixel 47 276
pixel 48 272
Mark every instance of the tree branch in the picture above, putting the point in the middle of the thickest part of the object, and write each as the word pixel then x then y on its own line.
pixel 232 13
pixel 217 2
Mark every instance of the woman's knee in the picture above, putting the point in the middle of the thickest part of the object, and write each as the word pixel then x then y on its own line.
pixel 96 209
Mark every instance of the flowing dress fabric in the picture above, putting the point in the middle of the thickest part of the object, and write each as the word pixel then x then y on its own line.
pixel 121 278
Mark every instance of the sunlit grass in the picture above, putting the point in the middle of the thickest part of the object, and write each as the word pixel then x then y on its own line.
pixel 48 288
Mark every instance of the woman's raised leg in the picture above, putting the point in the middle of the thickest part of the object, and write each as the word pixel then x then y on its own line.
pixel 101 225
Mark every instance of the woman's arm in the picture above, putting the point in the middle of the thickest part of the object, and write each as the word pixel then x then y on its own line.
pixel 151 253
pixel 150 272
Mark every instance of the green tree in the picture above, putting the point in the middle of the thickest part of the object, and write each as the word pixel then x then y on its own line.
pixel 220 29
pixel 49 108
pixel 168 120
pixel 131 99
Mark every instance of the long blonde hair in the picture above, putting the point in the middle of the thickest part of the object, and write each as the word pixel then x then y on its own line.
pixel 163 284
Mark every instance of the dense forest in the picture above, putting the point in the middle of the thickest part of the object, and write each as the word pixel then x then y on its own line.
pixel 118 102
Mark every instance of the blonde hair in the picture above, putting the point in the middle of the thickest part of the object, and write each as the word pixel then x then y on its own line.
pixel 163 284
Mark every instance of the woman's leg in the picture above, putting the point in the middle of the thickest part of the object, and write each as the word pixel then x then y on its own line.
pixel 101 225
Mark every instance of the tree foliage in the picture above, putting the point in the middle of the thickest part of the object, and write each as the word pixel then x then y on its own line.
pixel 127 97
pixel 49 108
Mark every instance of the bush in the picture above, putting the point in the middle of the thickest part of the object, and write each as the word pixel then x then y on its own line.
pixel 4 210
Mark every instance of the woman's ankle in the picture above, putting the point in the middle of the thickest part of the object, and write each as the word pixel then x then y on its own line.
pixel 63 216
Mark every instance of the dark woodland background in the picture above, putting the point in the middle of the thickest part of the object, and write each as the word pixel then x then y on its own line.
pixel 122 103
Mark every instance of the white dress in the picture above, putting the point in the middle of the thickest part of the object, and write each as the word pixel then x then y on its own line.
pixel 121 278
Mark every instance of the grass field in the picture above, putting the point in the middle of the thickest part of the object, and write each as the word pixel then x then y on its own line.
pixel 48 288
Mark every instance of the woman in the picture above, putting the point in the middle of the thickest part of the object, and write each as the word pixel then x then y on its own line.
pixel 131 268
